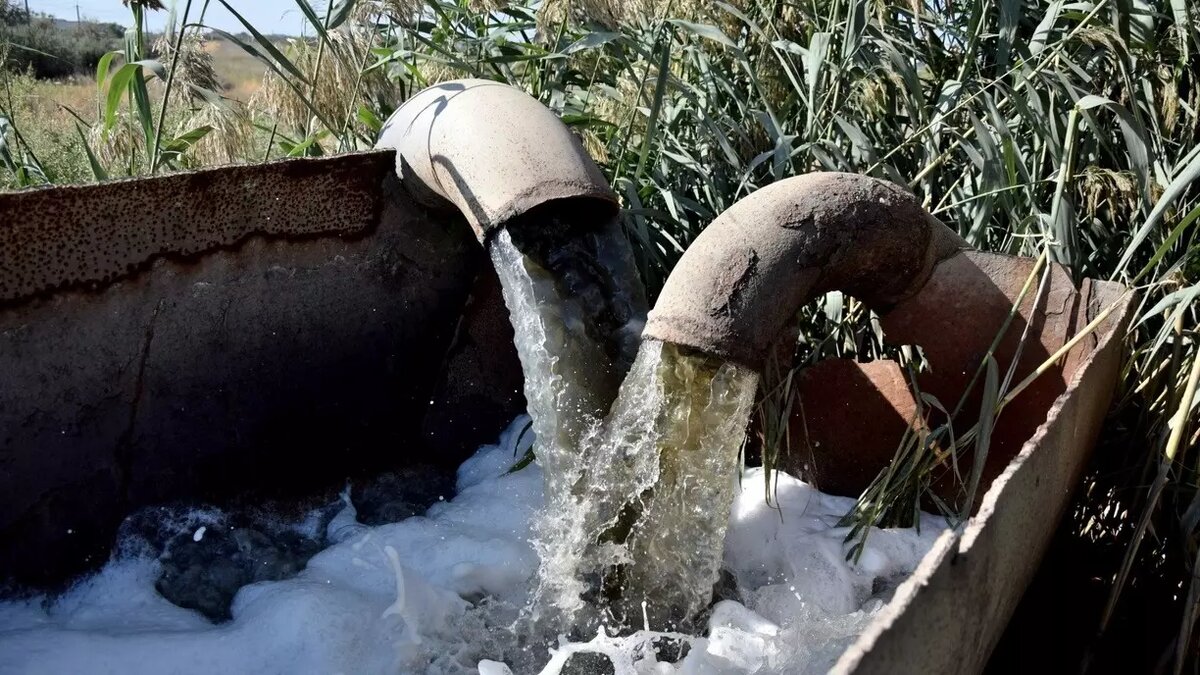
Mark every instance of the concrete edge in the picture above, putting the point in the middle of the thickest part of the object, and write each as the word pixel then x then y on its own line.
pixel 954 547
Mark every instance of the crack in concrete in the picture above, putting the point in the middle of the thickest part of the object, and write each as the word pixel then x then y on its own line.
pixel 122 453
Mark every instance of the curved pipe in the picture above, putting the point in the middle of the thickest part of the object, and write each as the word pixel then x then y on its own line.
pixel 740 283
pixel 492 152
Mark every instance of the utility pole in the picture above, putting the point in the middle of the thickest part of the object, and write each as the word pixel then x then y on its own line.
pixel 78 18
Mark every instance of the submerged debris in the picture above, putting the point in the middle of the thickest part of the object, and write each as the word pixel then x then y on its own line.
pixel 207 555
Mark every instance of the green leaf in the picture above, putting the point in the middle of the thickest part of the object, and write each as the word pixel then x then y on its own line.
pixel 590 41
pixel 1010 17
pixel 818 50
pixel 5 153
pixel 210 97
pixel 706 31
pixel 1136 143
pixel 1041 34
pixel 741 16
pixel 856 27
pixel 525 461
pixel 1180 299
pixel 154 67
pixel 988 411
pixel 181 143
pixel 656 107
pixel 1178 186
pixel 103 67
pixel 1183 25
pixel 368 118
pixel 1167 244
pixel 341 12
pixel 117 86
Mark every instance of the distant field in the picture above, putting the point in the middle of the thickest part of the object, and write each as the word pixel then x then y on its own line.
pixel 240 73
pixel 50 99
pixel 54 114
pixel 240 76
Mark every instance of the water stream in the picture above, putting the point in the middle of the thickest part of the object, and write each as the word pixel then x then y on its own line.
pixel 577 312
pixel 636 501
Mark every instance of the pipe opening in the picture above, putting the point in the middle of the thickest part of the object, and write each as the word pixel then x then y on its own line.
pixel 578 241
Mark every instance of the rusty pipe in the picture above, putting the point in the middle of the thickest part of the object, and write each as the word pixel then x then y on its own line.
pixel 493 153
pixel 740 283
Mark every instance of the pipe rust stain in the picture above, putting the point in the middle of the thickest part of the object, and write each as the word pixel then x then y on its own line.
pixel 732 282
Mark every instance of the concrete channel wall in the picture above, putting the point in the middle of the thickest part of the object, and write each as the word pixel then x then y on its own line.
pixel 950 614
pixel 270 328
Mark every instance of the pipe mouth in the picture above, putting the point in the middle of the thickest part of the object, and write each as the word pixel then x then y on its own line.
pixel 557 219
pixel 492 152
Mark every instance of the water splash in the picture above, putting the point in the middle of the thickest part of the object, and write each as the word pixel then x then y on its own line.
pixel 678 539
pixel 577 312
pixel 636 502
pixel 643 530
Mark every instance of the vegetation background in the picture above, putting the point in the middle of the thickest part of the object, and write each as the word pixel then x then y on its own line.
pixel 1061 128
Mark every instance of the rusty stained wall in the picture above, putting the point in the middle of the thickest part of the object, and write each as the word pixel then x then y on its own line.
pixel 268 329
pixel 954 319
pixel 949 615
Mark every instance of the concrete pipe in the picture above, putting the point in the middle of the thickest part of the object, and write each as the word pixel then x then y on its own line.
pixel 740 283
pixel 492 152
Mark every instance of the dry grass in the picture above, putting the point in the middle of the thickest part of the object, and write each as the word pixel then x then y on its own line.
pixel 240 76
pixel 47 110
pixel 49 100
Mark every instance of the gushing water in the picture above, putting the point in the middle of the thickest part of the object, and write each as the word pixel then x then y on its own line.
pixel 643 531
pixel 637 485
pixel 636 502
pixel 577 310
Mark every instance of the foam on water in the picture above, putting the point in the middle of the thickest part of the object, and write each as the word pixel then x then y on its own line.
pixel 438 594
pixel 620 524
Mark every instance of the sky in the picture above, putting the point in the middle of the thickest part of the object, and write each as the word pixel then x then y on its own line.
pixel 268 16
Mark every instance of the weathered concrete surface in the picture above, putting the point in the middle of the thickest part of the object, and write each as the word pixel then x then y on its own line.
pixel 949 615
pixel 274 350
pixel 480 389
pixel 954 318
pixel 743 279
pixel 87 235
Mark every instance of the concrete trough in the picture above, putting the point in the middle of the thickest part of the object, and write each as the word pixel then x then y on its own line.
pixel 734 294
pixel 274 328
pixel 950 614
pixel 263 330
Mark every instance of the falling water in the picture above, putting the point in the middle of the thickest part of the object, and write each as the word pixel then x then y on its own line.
pixel 646 524
pixel 577 311
pixel 636 503
pixel 635 507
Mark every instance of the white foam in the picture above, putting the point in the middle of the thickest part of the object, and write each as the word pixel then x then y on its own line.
pixel 398 597
pixel 804 603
